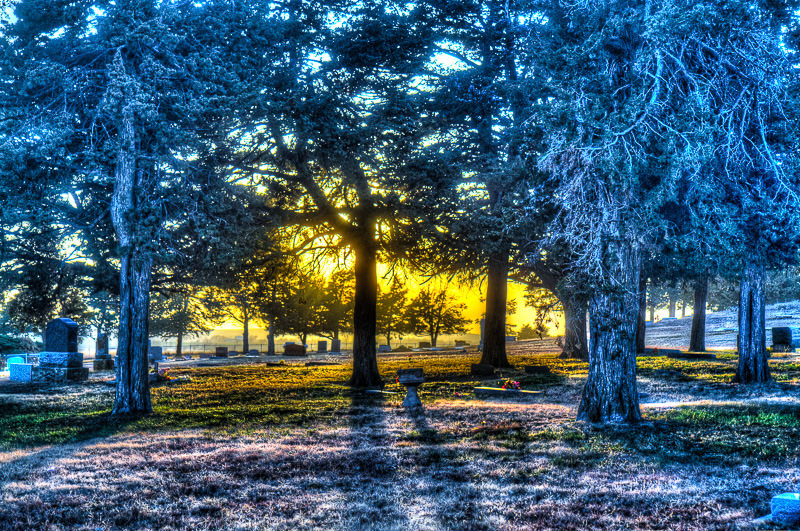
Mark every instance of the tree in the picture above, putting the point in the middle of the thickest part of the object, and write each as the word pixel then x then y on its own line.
pixel 392 312
pixel 480 101
pixel 641 130
pixel 434 312
pixel 305 311
pixel 181 313
pixel 325 151
pixel 101 87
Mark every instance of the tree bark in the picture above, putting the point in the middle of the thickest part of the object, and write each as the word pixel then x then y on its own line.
pixel 576 344
pixel 179 346
pixel 672 303
pixel 271 336
pixel 133 383
pixel 641 328
pixel 494 328
pixel 246 333
pixel 365 363
pixel 753 367
pixel 697 340
pixel 610 394
pixel 652 314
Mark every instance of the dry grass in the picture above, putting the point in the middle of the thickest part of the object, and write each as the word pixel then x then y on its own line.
pixel 255 447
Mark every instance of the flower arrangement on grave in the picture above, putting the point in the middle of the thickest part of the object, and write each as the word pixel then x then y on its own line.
pixel 162 375
pixel 510 384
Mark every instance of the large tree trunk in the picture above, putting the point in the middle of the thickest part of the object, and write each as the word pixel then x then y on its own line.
pixel 672 304
pixel 133 384
pixel 271 336
pixel 652 314
pixel 246 333
pixel 365 363
pixel 179 346
pixel 494 327
pixel 576 344
pixel 641 328
pixel 753 367
pixel 610 394
pixel 697 340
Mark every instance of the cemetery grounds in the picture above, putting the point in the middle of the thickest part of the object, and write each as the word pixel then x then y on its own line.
pixel 245 445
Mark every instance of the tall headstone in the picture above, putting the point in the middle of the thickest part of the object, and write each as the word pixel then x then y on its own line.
pixel 221 352
pixel 101 349
pixel 322 346
pixel 102 359
pixel 155 354
pixel 336 346
pixel 61 335
pixel 61 361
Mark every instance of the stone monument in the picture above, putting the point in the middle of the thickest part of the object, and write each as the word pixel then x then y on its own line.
pixel 336 346
pixel 154 354
pixel 221 352
pixel 293 349
pixel 61 361
pixel 322 346
pixel 102 359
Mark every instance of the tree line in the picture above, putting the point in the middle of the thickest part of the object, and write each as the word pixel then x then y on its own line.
pixel 584 148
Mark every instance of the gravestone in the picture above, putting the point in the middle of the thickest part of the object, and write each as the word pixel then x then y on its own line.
pixel 20 372
pixel 102 359
pixel 155 354
pixel 253 352
pixel 292 349
pixel 101 347
pixel 61 361
pixel 482 369
pixel 510 338
pixel 322 346
pixel 336 346
pixel 537 369
pixel 785 509
pixel 411 379
pixel 785 339
pixel 61 335
pixel 12 360
pixel 221 352
pixel 424 344
pixel 384 348
pixel 690 356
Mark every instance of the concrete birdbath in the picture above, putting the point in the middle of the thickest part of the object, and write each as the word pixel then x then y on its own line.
pixel 411 379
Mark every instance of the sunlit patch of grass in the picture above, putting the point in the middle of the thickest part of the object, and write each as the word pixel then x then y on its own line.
pixel 721 370
pixel 735 417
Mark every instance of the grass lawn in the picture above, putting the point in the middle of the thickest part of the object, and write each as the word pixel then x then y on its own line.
pixel 254 447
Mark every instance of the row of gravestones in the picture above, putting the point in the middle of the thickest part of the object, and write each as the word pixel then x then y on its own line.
pixel 289 349
pixel 60 362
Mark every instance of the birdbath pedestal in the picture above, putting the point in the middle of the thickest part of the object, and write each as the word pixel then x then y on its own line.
pixel 411 379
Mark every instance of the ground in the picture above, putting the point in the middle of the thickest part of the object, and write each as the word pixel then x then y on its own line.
pixel 251 446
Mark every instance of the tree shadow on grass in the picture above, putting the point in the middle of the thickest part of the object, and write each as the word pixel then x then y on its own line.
pixel 46 415
pixel 375 463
